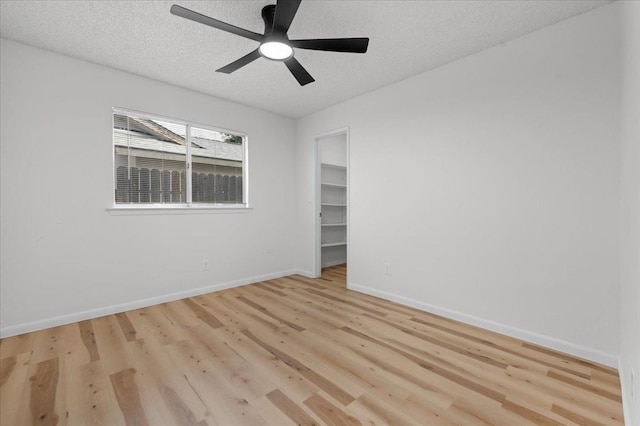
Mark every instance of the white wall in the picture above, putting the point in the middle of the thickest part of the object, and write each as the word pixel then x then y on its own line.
pixel 333 150
pixel 630 207
pixel 491 187
pixel 63 256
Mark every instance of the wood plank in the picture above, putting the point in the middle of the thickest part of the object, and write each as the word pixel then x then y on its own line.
pixel 586 386
pixel 226 404
pixel 127 328
pixel 16 345
pixel 153 323
pixel 48 344
pixel 271 369
pixel 311 375
pixel 329 413
pixel 7 365
pixel 74 352
pixel 268 313
pixel 237 372
pixel 345 301
pixel 572 359
pixel 442 343
pixel 580 372
pixel 268 287
pixel 361 372
pixel 292 311
pixel 89 339
pixel 565 394
pixel 111 345
pixel 180 411
pixel 298 280
pixel 91 399
pixel 128 396
pixel 42 400
pixel 14 379
pixel 574 417
pixel 165 377
pixel 204 315
pixel 290 408
pixel 449 375
pixel 534 416
pixel 273 283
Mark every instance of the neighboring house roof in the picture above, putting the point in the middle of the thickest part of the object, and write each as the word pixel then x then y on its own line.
pixel 148 135
pixel 158 130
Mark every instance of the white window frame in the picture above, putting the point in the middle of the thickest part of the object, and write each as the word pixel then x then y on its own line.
pixel 188 206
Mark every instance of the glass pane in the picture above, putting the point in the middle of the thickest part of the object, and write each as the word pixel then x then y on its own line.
pixel 217 159
pixel 150 160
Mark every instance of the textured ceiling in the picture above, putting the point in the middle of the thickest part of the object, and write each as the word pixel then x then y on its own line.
pixel 406 38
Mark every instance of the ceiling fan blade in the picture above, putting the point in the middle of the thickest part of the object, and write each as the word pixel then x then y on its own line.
pixel 351 45
pixel 246 59
pixel 197 17
pixel 285 11
pixel 298 71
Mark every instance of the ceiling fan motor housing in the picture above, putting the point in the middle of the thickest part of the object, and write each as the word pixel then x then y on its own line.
pixel 268 15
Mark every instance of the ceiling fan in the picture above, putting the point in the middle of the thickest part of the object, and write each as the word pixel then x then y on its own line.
pixel 274 43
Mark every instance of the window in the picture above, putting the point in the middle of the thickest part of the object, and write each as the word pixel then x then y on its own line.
pixel 160 162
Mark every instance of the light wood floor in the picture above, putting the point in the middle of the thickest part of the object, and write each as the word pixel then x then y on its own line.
pixel 294 351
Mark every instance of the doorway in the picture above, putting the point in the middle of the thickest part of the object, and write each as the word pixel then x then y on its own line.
pixel 332 202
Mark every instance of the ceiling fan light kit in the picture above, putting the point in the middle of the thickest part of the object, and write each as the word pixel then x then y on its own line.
pixel 274 43
pixel 275 50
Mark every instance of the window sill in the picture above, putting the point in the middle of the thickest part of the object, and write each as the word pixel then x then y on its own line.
pixel 128 210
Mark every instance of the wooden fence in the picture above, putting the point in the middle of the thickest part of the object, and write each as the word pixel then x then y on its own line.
pixel 143 185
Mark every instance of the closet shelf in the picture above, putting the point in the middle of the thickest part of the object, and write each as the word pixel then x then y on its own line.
pixel 343 243
pixel 334 166
pixel 334 185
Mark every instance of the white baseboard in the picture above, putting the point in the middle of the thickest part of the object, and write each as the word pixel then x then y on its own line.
pixel 528 336
pixel 13 330
pixel 306 273
pixel 626 403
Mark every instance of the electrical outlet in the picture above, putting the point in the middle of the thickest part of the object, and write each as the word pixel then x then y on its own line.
pixel 205 266
pixel 387 269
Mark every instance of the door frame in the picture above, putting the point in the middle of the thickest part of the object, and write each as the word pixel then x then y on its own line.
pixel 318 191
